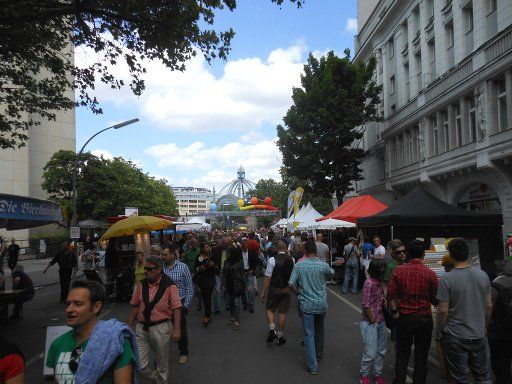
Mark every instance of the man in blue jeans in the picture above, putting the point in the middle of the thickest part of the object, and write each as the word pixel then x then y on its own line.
pixel 308 282
pixel 351 256
pixel 465 307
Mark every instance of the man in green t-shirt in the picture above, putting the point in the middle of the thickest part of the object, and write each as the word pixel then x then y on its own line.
pixel 398 254
pixel 84 303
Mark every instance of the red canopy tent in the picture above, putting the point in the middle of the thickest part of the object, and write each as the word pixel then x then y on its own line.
pixel 355 208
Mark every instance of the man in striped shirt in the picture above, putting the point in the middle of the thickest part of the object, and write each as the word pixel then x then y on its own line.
pixel 180 274
pixel 308 281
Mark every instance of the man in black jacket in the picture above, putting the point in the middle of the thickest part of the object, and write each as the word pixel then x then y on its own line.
pixel 279 270
pixel 499 331
pixel 251 260
pixel 67 262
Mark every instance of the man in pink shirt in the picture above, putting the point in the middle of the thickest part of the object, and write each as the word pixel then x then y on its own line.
pixel 155 302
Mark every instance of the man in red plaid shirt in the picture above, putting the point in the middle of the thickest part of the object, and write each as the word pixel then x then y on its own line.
pixel 412 291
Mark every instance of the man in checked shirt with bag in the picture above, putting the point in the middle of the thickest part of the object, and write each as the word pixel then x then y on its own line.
pixel 412 292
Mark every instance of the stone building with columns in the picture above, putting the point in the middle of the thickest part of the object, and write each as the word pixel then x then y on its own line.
pixel 446 71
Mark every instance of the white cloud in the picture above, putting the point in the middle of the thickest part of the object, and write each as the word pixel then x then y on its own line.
pixel 249 92
pixel 217 165
pixel 351 26
pixel 103 153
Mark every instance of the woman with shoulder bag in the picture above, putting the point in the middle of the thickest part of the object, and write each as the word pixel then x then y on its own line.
pixel 204 277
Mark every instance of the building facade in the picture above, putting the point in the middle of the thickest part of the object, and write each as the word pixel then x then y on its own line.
pixel 192 201
pixel 446 71
pixel 21 169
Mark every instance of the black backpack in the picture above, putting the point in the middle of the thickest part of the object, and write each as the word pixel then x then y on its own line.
pixel 502 313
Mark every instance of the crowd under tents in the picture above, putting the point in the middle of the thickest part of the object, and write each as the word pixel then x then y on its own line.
pixel 422 215
pixel 355 208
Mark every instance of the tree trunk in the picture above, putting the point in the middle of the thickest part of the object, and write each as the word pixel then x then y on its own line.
pixel 339 197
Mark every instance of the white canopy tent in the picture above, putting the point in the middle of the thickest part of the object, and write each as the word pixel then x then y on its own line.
pixel 194 224
pixel 309 217
pixel 331 224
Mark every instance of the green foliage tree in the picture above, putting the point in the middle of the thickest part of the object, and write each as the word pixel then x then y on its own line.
pixel 37 70
pixel 274 189
pixel 105 187
pixel 319 141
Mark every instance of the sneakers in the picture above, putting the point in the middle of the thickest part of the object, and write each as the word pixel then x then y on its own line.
pixel 364 380
pixel 379 380
pixel 183 359
pixel 272 335
pixel 251 308
pixel 281 340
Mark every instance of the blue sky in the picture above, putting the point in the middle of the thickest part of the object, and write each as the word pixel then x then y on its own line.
pixel 197 127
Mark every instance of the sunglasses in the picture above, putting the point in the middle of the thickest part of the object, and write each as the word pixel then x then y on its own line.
pixel 75 358
pixel 149 269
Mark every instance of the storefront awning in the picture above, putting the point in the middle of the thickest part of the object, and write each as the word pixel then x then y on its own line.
pixel 20 212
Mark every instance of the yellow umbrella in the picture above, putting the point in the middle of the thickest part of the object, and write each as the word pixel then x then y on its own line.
pixel 127 227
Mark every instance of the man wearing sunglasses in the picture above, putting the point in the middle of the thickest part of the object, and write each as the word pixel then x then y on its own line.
pixel 68 355
pixel 156 301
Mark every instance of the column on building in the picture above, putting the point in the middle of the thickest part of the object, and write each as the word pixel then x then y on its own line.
pixel 385 80
pixel 459 36
pixel 508 84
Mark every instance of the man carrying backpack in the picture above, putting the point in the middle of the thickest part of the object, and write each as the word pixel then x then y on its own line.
pixel 465 306
pixel 499 331
pixel 279 269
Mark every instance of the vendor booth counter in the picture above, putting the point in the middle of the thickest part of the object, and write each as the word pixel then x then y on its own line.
pixel 422 215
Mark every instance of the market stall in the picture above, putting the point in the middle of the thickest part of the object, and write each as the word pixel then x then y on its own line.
pixel 355 208
pixel 422 215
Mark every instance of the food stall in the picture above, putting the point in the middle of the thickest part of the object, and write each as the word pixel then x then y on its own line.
pixel 422 215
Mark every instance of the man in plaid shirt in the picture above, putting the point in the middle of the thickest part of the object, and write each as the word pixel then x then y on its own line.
pixel 180 274
pixel 412 291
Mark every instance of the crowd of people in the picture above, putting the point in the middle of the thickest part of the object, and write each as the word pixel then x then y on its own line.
pixel 463 312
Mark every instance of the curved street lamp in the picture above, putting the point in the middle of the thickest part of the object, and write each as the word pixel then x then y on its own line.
pixel 75 168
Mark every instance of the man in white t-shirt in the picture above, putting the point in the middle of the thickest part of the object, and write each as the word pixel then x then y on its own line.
pixel 379 251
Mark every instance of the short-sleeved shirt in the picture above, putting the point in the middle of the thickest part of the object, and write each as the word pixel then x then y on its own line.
pixel 415 287
pixel 349 252
pixel 309 276
pixel 59 356
pixel 11 366
pixel 466 291
pixel 367 250
pixel 379 252
pixel 322 250
pixel 163 309
pixel 372 298
pixel 389 270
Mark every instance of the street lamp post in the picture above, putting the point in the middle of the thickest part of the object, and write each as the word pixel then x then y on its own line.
pixel 75 168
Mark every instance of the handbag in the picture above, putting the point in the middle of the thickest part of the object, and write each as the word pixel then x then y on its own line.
pixel 388 319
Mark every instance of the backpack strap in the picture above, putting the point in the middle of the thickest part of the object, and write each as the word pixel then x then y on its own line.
pixel 165 282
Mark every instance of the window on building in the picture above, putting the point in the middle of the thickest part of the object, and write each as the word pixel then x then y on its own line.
pixel 391 47
pixel 446 131
pixel 467 14
pixel 392 85
pixel 458 124
pixel 491 5
pixel 435 136
pixel 501 88
pixel 419 75
pixel 416 20
pixel 407 88
pixel 472 119
pixel 450 38
pixel 401 140
pixel 409 147
pixel 416 131
pixel 432 50
pixel 405 33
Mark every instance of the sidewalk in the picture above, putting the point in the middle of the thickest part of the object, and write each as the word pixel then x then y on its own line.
pixel 34 268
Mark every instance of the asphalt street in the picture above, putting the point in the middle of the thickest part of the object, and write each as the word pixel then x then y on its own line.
pixel 218 353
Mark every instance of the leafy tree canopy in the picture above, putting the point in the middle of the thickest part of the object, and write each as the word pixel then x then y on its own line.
pixel 105 187
pixel 319 141
pixel 37 72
